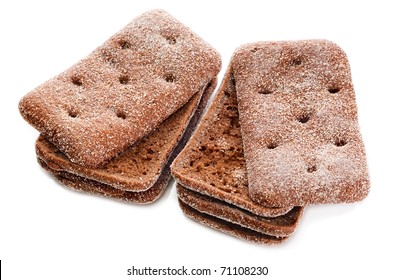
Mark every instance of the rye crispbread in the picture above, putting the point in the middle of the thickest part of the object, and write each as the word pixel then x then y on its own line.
pixel 212 183
pixel 212 162
pixel 299 124
pixel 122 90
pixel 141 173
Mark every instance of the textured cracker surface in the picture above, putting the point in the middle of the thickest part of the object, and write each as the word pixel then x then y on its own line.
pixel 138 167
pixel 299 125
pixel 122 90
pixel 213 163
pixel 229 228
pixel 280 226
pixel 146 191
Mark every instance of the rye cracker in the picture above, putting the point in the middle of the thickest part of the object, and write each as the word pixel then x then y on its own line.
pixel 122 90
pixel 298 118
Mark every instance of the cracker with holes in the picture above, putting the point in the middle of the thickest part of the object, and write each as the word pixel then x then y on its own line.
pixel 122 90
pixel 299 124
pixel 211 175
pixel 141 173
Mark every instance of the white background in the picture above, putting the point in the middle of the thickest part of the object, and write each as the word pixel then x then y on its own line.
pixel 50 232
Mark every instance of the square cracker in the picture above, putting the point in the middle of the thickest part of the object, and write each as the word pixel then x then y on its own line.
pixel 299 125
pixel 122 90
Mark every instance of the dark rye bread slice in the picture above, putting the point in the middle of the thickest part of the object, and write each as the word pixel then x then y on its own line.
pixel 299 125
pixel 212 162
pixel 141 173
pixel 122 90
pixel 229 228
pixel 280 226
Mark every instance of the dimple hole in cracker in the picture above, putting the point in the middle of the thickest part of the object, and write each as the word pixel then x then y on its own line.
pixel 340 142
pixel 304 118
pixel 333 90
pixel 124 79
pixel 121 114
pixel 311 169
pixel 272 145
pixel 76 80
pixel 265 91
pixel 124 44
pixel 170 39
pixel 296 62
pixel 169 78
pixel 72 113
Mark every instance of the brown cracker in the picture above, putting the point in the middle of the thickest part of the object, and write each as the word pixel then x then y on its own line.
pixel 139 174
pixel 89 186
pixel 213 163
pixel 122 90
pixel 138 167
pixel 299 126
pixel 280 226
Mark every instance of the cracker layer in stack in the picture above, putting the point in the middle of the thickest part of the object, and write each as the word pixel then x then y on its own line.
pixel 141 173
pixel 298 118
pixel 212 182
pixel 113 122
pixel 123 90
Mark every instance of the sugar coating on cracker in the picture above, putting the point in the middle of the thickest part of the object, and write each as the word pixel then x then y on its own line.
pixel 298 118
pixel 138 167
pixel 142 172
pixel 122 90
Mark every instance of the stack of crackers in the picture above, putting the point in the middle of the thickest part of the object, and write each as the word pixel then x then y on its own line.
pixel 281 132
pixel 113 122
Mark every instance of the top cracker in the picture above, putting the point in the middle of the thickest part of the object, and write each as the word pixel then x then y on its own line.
pixel 122 90
pixel 299 125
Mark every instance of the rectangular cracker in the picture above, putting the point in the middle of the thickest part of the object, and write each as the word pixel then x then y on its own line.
pixel 299 125
pixel 122 90
pixel 281 226
pixel 213 163
pixel 141 173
